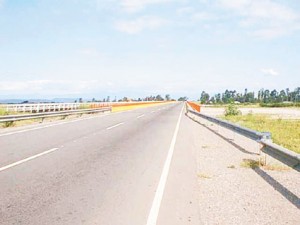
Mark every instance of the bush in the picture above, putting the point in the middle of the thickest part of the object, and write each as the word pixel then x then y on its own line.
pixel 232 110
pixel 8 124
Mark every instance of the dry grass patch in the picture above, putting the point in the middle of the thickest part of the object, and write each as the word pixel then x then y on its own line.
pixel 205 146
pixel 250 163
pixel 276 167
pixel 231 167
pixel 204 176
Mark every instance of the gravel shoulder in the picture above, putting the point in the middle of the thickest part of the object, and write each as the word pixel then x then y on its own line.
pixel 232 194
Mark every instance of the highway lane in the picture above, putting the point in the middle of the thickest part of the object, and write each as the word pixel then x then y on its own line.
pixel 105 171
pixel 17 144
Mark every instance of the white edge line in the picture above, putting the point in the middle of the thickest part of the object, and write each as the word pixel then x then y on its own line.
pixel 27 159
pixel 141 116
pixel 153 215
pixel 119 124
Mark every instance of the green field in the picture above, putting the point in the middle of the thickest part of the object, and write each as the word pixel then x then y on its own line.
pixel 2 112
pixel 284 132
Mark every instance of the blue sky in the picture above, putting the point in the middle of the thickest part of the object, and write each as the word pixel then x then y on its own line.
pixel 96 48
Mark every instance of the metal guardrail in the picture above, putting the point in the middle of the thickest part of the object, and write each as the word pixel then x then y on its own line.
pixel 282 154
pixel 278 152
pixel 13 118
pixel 254 135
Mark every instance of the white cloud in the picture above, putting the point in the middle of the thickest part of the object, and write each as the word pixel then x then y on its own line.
pixel 140 24
pixel 184 10
pixel 48 87
pixel 268 18
pixel 204 16
pixel 270 71
pixel 91 52
pixel 130 6
pixel 138 5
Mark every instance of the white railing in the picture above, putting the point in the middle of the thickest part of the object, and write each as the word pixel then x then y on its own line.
pixel 51 107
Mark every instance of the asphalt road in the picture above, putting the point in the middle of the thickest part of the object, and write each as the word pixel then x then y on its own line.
pixel 129 168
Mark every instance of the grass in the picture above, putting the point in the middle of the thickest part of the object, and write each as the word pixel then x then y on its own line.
pixel 84 106
pixel 204 176
pixel 231 167
pixel 280 104
pixel 2 112
pixel 250 163
pixel 205 146
pixel 36 121
pixel 277 167
pixel 284 132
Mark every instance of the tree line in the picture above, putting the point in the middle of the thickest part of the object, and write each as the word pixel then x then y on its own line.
pixel 158 97
pixel 263 96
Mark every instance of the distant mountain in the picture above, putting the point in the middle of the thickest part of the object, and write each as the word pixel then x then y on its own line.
pixel 18 101
pixel 13 101
pixel 64 100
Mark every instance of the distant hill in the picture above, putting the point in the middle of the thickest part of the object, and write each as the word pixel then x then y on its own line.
pixel 18 101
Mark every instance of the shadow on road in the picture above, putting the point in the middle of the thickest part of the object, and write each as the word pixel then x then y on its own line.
pixel 290 196
pixel 225 138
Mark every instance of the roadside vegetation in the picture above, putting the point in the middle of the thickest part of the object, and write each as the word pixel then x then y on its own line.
pixel 285 132
pixel 263 98
pixel 3 112
pixel 280 104
pixel 232 110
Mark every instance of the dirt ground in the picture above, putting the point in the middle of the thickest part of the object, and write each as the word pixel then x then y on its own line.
pixel 231 193
pixel 284 113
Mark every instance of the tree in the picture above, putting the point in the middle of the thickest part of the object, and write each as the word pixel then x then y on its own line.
pixel 183 98
pixel 297 94
pixel 260 95
pixel 159 98
pixel 273 95
pixel 212 100
pixel 218 98
pixel 167 97
pixel 266 96
pixel 204 97
pixel 250 97
pixel 282 96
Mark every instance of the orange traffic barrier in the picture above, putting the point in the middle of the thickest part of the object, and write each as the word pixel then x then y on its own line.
pixel 195 106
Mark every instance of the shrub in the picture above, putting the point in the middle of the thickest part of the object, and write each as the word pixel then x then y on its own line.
pixel 232 110
pixel 8 124
pixel 280 104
